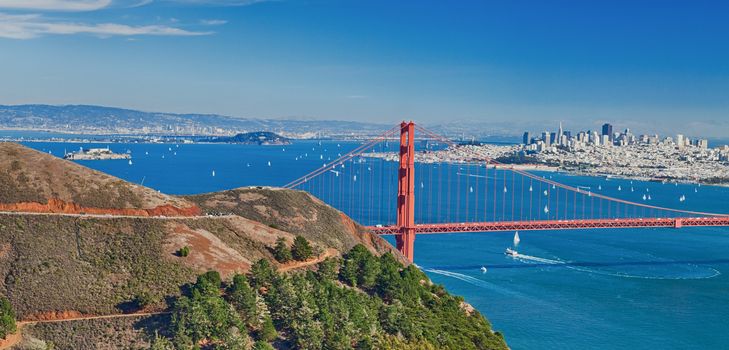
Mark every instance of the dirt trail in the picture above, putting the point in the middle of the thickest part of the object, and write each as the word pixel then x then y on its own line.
pixel 330 252
pixel 15 338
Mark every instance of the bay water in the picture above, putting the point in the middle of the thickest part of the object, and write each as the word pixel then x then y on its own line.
pixel 572 289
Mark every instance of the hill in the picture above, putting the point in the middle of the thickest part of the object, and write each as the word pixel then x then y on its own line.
pixel 296 212
pixel 33 181
pixel 62 271
pixel 110 120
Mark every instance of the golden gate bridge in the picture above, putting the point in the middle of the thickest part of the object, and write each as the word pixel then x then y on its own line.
pixel 476 195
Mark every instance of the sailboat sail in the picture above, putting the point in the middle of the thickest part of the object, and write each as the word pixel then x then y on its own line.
pixel 516 238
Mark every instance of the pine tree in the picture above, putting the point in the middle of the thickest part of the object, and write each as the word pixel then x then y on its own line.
pixel 301 249
pixel 267 332
pixel 281 252
pixel 243 299
pixel 262 274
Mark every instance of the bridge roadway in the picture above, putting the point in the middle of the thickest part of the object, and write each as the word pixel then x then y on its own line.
pixel 556 225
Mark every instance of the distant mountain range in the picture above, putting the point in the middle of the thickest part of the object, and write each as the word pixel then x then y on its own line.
pixel 89 119
pixel 99 119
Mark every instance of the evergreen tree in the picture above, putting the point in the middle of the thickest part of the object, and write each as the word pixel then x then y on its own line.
pixel 262 274
pixel 281 252
pixel 389 281
pixel 243 299
pixel 369 269
pixel 301 250
pixel 208 283
pixel 328 269
pixel 349 271
pixel 392 307
pixel 267 332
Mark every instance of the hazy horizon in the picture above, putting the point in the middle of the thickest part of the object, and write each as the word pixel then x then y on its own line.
pixel 524 65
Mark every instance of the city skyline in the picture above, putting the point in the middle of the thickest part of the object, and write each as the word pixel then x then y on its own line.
pixel 508 64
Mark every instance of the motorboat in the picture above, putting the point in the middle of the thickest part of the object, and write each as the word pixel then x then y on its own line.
pixel 511 252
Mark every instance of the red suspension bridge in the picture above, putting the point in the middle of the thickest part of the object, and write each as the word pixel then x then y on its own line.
pixel 471 193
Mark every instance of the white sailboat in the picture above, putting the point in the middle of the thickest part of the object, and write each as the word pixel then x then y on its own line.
pixel 620 188
pixel 484 269
pixel 505 190
pixel 682 198
pixel 530 189
pixel 213 173
pixel 470 189
pixel 516 238
pixel 269 163
pixel 546 209
pixel 130 162
pixel 644 197
pixel 599 187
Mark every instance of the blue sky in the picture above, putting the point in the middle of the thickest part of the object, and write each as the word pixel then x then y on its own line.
pixel 655 66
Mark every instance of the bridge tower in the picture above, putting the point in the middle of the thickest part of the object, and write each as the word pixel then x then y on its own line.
pixel 406 191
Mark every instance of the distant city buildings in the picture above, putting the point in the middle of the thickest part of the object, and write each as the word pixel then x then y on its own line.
pixel 564 139
pixel 607 130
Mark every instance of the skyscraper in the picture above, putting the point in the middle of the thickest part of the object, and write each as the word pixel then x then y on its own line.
pixel 559 134
pixel 607 129
pixel 527 138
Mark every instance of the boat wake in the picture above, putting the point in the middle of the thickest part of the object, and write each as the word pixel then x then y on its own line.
pixel 542 303
pixel 657 270
pixel 480 283
pixel 475 175
pixel 465 278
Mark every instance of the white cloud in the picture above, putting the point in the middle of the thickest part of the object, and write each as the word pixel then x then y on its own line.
pixel 213 22
pixel 56 5
pixel 33 26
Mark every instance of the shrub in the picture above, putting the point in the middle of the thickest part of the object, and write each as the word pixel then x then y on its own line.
pixel 184 251
pixel 144 299
pixel 7 318
pixel 301 250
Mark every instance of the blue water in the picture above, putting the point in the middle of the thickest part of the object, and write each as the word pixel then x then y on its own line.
pixel 606 289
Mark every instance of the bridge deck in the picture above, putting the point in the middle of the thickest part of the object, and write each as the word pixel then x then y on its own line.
pixel 555 225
